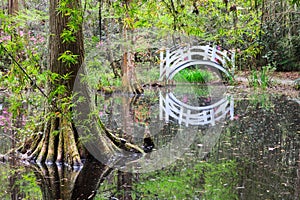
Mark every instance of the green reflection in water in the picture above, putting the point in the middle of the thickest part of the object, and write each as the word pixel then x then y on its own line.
pixel 17 182
pixel 208 180
pixel 256 157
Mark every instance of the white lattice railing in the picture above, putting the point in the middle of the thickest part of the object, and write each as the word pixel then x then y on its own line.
pixel 172 108
pixel 175 59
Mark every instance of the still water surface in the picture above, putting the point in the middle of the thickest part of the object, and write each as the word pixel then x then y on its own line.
pixel 206 146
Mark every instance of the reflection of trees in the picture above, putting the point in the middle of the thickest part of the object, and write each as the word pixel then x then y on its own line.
pixel 124 185
pixel 128 116
pixel 132 117
pixel 59 182
pixel 265 138
pixel 262 147
pixel 18 181
pixel 297 192
pixel 15 191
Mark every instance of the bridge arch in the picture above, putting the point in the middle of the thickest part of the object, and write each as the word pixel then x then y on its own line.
pixel 178 58
pixel 175 69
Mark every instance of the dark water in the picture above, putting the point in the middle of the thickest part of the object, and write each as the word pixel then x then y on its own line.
pixel 249 149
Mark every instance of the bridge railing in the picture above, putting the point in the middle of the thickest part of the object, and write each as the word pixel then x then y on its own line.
pixel 170 59
pixel 171 107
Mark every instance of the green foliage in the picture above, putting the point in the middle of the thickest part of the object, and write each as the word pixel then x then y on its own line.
pixel 98 76
pixel 74 13
pixel 297 84
pixel 67 36
pixel 18 181
pixel 28 185
pixel 254 81
pixel 220 181
pixel 68 57
pixel 194 75
pixel 210 21
pixel 297 2
pixel 26 16
pixel 281 35
pixel 261 100
pixel 148 74
pixel 24 42
pixel 261 78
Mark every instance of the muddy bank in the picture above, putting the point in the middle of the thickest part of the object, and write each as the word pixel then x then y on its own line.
pixel 282 83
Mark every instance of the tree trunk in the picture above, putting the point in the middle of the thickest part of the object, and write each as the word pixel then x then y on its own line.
pixel 59 141
pixel 13 6
pixel 129 78
pixel 61 183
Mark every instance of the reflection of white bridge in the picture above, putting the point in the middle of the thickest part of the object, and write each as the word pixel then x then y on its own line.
pixel 170 106
pixel 175 59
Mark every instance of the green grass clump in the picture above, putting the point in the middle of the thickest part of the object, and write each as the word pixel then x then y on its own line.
pixel 194 76
pixel 262 78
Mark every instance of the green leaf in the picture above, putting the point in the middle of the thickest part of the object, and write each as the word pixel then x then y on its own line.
pixel 68 57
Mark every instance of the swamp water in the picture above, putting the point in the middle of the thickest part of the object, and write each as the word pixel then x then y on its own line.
pixel 208 144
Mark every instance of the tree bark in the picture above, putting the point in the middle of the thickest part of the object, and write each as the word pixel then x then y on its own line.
pixel 13 7
pixel 129 78
pixel 59 141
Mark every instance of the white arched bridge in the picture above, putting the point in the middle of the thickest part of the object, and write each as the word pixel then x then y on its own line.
pixel 173 60
pixel 172 108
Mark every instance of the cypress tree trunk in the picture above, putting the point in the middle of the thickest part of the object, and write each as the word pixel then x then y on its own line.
pixel 59 140
pixel 13 6
pixel 129 78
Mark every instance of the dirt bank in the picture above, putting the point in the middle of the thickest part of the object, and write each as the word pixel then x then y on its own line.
pixel 281 83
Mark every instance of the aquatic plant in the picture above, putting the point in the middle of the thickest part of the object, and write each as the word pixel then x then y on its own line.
pixel 262 78
pixel 297 84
